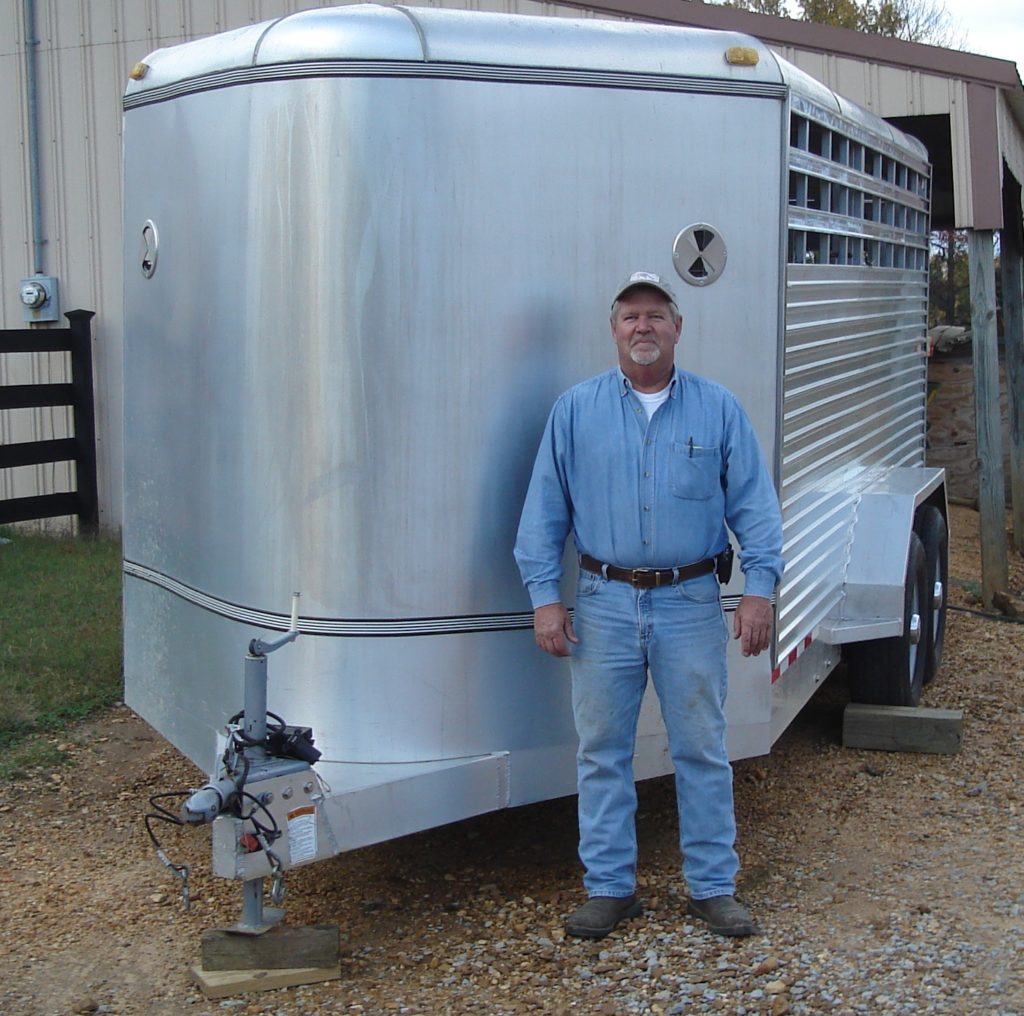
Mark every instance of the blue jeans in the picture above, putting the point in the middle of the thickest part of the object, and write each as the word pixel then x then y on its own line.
pixel 678 633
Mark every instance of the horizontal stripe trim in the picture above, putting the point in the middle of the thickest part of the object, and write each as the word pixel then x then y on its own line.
pixel 453 71
pixel 345 627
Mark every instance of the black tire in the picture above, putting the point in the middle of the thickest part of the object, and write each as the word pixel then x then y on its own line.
pixel 930 526
pixel 890 672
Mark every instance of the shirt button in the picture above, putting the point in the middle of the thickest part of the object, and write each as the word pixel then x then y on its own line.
pixel 647 474
pixel 646 542
pixel 647 507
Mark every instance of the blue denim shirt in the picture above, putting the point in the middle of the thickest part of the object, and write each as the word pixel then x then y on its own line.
pixel 641 494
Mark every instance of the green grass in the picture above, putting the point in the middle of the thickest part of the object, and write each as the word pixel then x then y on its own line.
pixel 60 641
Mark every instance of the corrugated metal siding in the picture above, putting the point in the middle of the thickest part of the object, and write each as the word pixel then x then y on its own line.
pixel 86 48
pixel 853 395
pixel 854 370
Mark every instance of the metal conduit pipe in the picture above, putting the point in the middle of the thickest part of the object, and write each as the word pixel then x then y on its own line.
pixel 32 91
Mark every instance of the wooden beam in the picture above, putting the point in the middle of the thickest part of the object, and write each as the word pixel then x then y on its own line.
pixel 1011 242
pixel 38 506
pixel 315 945
pixel 903 728
pixel 223 983
pixel 991 485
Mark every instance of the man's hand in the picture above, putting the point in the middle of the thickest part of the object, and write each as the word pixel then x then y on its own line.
pixel 552 626
pixel 753 624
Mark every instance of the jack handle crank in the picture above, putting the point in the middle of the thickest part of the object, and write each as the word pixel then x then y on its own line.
pixel 261 647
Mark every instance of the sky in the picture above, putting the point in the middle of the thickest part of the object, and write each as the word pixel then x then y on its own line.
pixel 993 27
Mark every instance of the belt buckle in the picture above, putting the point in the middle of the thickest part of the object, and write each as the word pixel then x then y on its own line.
pixel 635 576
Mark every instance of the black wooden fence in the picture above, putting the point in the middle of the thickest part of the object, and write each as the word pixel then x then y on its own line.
pixel 80 449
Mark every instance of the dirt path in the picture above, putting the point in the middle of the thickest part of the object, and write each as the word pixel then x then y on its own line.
pixel 885 883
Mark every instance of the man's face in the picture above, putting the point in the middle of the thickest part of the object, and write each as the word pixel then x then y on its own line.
pixel 643 328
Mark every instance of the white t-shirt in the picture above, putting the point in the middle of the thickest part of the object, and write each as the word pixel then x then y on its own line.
pixel 651 400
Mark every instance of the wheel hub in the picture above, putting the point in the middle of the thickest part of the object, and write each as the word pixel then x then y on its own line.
pixel 915 629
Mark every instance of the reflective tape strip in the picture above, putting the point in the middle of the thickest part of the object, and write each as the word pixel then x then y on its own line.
pixel 791 657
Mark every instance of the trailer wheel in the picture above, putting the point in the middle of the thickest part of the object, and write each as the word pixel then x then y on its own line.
pixel 890 672
pixel 930 526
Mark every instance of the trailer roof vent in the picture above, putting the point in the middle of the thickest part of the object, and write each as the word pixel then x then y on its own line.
pixel 699 254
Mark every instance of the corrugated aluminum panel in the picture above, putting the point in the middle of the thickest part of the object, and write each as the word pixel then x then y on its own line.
pixel 853 396
pixel 854 369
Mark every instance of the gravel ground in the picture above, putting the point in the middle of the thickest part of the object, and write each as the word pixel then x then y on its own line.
pixel 884 883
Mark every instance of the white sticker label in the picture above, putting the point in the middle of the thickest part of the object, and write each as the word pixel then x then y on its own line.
pixel 302 834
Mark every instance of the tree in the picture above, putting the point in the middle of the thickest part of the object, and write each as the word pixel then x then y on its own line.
pixel 950 302
pixel 776 8
pixel 926 21
pixel 841 13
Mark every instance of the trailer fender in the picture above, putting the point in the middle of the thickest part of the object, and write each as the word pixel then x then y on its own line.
pixel 871 604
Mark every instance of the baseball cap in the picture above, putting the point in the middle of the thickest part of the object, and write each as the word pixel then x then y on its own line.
pixel 645 279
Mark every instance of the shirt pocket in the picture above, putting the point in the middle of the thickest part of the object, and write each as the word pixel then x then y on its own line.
pixel 695 473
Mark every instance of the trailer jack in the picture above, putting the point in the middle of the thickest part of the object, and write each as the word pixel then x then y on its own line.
pixel 256 757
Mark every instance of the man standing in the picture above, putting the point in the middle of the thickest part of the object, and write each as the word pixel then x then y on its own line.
pixel 645 465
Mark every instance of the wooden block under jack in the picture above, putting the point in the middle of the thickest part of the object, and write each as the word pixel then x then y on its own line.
pixel 223 983
pixel 903 728
pixel 282 947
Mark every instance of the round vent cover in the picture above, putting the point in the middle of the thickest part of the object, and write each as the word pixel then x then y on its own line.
pixel 699 254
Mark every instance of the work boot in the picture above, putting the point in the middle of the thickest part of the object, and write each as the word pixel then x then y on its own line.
pixel 725 916
pixel 600 914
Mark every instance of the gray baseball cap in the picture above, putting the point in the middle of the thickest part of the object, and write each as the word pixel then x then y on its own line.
pixel 645 279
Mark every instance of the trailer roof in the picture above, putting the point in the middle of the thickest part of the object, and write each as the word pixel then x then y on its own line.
pixel 371 32
pixel 308 42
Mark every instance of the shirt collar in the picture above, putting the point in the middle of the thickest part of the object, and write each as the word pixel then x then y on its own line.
pixel 626 386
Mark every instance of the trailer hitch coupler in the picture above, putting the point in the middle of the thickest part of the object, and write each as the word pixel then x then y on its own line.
pixel 208 802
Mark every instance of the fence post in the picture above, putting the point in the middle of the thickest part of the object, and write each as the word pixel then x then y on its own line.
pixel 85 425
pixel 988 430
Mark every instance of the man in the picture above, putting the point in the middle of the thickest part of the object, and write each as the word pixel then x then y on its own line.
pixel 645 465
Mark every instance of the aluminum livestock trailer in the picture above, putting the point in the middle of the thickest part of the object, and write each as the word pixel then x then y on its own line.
pixel 366 248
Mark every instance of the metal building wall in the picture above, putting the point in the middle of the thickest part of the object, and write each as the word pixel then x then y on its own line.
pixel 85 51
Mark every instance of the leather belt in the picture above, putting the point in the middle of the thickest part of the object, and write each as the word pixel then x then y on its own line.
pixel 648 578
